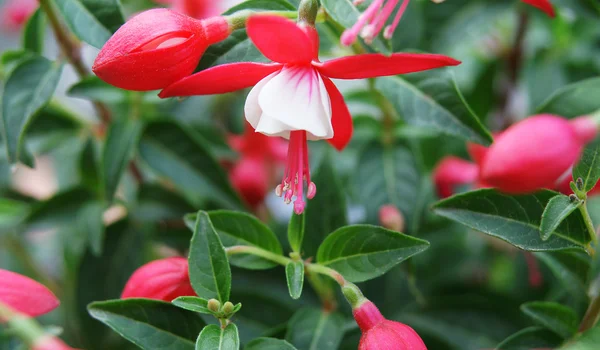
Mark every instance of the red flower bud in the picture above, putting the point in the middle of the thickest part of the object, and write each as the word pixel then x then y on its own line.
pixel 25 295
pixel 477 152
pixel 156 48
pixel 164 279
pixel 381 334
pixel 544 5
pixel 391 218
pixel 15 13
pixel 585 127
pixel 50 343
pixel 250 178
pixel 451 172
pixel 531 155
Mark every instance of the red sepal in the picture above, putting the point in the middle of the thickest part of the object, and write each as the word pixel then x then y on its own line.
pixel 543 5
pixel 25 295
pixel 341 120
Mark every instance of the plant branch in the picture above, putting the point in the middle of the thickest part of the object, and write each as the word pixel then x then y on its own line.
pixel 588 222
pixel 245 249
pixel 591 315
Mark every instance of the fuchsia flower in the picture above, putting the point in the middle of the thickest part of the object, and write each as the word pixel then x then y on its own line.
pixel 543 5
pixel 25 295
pixel 258 153
pixel 452 172
pixel 373 20
pixel 381 334
pixel 198 9
pixel 534 153
pixel 156 48
pixel 293 97
pixel 16 12
pixel 164 279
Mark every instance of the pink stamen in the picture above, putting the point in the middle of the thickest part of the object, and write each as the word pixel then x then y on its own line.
pixel 296 173
pixel 380 20
pixel 349 36
pixel 389 30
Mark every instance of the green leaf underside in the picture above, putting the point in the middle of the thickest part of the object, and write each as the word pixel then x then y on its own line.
pixel 33 33
pixel 214 337
pixel 209 269
pixel 514 219
pixel 589 340
pixel 237 228
pixel 557 209
pixel 313 329
pixel 553 316
pixel 432 100
pixel 363 252
pixel 269 344
pixel 195 304
pixel 28 88
pixel 530 338
pixel 573 100
pixel 83 23
pixel 588 167
pixel 571 269
pixel 294 272
pixel 92 88
pixel 150 324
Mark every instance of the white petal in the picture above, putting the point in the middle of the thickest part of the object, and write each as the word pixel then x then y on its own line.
pixel 272 127
pixel 294 98
pixel 252 110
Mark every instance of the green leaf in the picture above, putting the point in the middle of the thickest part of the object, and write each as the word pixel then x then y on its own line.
pixel 33 33
pixel 92 88
pixel 294 273
pixel 156 203
pixel 180 156
pixel 346 14
pixel 149 324
pixel 195 304
pixel 269 344
pixel 388 175
pixel 88 25
pixel 314 329
pixel 530 338
pixel 558 318
pixel 214 337
pixel 209 270
pixel 89 219
pixel 12 213
pixel 123 136
pixel 59 209
pixel 296 232
pixel 589 340
pixel 326 212
pixel 432 100
pixel 588 167
pixel 514 219
pixel 574 100
pixel 237 47
pixel 28 88
pixel 363 252
pixel 237 228
pixel 557 209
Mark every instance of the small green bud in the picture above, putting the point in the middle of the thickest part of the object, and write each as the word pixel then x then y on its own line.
pixel 573 198
pixel 579 183
pixel 214 305
pixel 228 307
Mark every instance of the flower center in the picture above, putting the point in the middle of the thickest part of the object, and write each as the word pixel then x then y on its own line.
pixel 296 173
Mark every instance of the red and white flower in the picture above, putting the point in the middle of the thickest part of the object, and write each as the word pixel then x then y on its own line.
pixel 294 97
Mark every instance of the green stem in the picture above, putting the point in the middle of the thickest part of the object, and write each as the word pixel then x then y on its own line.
pixel 238 19
pixel 591 315
pixel 588 222
pixel 323 289
pixel 245 249
pixel 324 270
pixel 307 11
pixel 24 327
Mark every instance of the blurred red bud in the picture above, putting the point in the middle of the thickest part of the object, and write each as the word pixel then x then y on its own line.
pixel 250 178
pixel 451 172
pixel 381 334
pixel 195 8
pixel 156 48
pixel 477 152
pixel 531 155
pixel 164 279
pixel 15 13
pixel 391 218
pixel 585 127
pixel 25 295
pixel 544 5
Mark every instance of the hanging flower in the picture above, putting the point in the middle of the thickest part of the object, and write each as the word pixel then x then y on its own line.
pixel 452 172
pixel 15 13
pixel 164 279
pixel 544 5
pixel 25 295
pixel 294 97
pixel 258 154
pixel 374 19
pixel 156 48
pixel 198 9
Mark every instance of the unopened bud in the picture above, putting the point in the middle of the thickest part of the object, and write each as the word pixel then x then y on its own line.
pixel 391 218
pixel 213 305
pixel 573 198
pixel 579 183
pixel 228 307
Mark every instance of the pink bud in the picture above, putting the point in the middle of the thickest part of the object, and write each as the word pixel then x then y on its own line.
pixel 15 13
pixel 197 8
pixel 164 279
pixel 381 334
pixel 156 48
pixel 391 218
pixel 585 128
pixel 50 343
pixel 531 155
pixel 452 172
pixel 249 177
pixel 25 295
